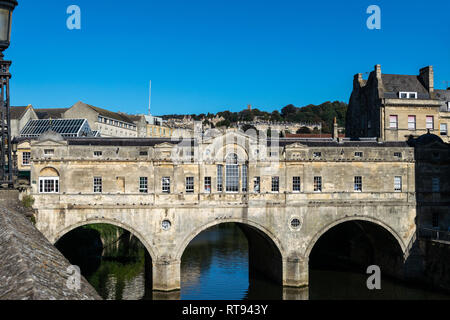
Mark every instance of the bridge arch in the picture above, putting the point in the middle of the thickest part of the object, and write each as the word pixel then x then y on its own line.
pixel 335 223
pixel 151 251
pixel 204 227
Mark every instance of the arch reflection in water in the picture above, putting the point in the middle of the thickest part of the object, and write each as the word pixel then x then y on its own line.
pixel 224 262
pixel 114 261
pixel 340 257
pixel 215 265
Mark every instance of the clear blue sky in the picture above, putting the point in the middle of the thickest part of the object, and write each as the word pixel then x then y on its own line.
pixel 207 56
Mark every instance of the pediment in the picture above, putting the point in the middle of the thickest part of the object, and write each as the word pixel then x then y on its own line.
pixel 49 143
pixel 296 145
pixel 164 145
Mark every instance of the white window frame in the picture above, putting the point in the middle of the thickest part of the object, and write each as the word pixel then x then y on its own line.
pixel 412 124
pixel 318 184
pixel 49 152
pixel 358 184
pixel 393 116
pixel 232 174
pixel 296 184
pixel 429 125
pixel 189 184
pixel 257 184
pixel 219 178
pixel 275 184
pixel 98 185
pixel 441 131
pixel 398 184
pixel 28 158
pixel 409 95
pixel 143 184
pixel 244 178
pixel 165 184
pixel 208 184
pixel 55 181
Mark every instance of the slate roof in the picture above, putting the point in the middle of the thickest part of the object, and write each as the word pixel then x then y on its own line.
pixel 17 112
pixel 347 142
pixel 443 95
pixel 110 114
pixel 54 113
pixel 394 83
pixel 313 142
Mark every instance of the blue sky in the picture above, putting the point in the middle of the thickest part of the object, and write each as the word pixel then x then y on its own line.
pixel 208 56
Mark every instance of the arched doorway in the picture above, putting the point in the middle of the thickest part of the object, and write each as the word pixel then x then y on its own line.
pixel 113 260
pixel 231 260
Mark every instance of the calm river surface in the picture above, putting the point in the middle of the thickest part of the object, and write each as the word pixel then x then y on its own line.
pixel 215 267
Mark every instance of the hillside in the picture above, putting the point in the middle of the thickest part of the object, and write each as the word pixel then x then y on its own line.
pixel 323 113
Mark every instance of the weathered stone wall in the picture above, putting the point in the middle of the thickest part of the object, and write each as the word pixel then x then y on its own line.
pixel 436 263
pixel 30 267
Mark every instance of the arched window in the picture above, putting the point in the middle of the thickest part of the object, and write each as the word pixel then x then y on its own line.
pixel 232 173
pixel 49 181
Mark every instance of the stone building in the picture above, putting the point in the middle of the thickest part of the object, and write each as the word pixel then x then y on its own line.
pixel 395 107
pixel 108 123
pixel 20 117
pixel 166 191
pixel 432 158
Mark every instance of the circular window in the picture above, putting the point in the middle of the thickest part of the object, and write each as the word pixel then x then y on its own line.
pixel 166 224
pixel 295 223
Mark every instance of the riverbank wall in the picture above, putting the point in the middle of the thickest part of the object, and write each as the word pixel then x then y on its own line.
pixel 436 263
pixel 31 268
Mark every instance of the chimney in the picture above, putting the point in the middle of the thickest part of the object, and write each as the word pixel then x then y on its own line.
pixel 427 78
pixel 378 71
pixel 335 129
pixel 249 107
pixel 357 81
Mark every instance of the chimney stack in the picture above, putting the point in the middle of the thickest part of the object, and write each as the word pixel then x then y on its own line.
pixel 249 107
pixel 427 78
pixel 378 71
pixel 335 129
pixel 357 81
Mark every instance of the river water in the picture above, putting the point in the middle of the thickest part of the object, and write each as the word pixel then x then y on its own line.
pixel 215 267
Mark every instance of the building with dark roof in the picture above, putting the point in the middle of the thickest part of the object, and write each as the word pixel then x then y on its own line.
pixel 395 107
pixel 20 117
pixel 51 113
pixel 107 123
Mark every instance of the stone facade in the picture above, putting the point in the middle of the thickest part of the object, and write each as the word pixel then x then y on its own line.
pixel 281 204
pixel 109 124
pixel 395 107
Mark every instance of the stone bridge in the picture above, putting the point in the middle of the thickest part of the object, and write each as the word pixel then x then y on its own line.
pixel 283 217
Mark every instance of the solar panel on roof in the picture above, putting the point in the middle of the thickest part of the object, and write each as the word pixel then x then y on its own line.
pixel 66 127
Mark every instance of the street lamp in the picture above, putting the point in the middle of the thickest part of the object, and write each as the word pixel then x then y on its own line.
pixel 6 170
pixel 6 9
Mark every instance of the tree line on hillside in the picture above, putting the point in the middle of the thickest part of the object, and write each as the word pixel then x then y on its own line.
pixel 323 113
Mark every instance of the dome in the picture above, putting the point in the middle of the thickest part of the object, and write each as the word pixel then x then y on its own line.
pixel 428 138
pixel 50 135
